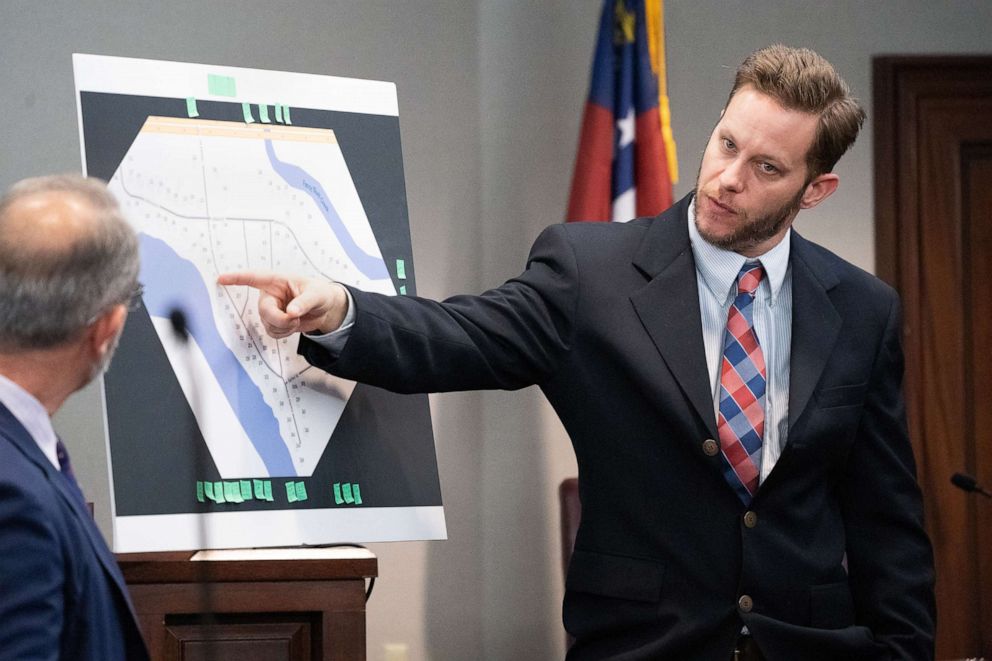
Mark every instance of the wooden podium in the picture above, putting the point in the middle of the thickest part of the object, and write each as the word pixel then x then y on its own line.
pixel 271 604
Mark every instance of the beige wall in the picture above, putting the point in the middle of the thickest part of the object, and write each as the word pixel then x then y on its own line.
pixel 491 93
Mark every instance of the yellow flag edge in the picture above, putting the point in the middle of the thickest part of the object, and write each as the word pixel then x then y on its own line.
pixel 655 13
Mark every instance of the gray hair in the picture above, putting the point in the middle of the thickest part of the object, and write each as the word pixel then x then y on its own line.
pixel 50 293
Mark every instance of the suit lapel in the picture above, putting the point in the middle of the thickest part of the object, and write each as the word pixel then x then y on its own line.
pixel 668 306
pixel 14 431
pixel 815 326
pixel 93 535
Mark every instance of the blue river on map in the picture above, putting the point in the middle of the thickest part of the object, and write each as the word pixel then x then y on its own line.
pixel 164 273
pixel 371 266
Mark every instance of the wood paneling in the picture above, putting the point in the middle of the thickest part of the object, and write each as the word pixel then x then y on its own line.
pixel 933 162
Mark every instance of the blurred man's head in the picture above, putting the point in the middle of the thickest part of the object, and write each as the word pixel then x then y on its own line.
pixel 68 268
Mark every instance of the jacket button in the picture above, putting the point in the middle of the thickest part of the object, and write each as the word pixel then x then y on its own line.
pixel 750 519
pixel 745 603
pixel 710 447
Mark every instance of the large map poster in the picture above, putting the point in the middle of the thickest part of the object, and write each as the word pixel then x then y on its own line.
pixel 231 439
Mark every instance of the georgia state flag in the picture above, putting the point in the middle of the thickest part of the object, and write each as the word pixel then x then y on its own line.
pixel 625 166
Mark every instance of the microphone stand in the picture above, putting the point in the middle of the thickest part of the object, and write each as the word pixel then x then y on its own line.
pixel 180 329
pixel 968 483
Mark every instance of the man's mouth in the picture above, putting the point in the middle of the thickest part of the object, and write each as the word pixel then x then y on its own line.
pixel 723 207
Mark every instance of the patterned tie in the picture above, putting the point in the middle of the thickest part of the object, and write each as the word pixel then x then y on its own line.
pixel 66 467
pixel 741 422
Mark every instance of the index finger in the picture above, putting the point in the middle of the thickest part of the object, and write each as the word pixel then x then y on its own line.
pixel 256 279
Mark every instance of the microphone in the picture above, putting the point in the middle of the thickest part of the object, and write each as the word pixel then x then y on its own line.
pixel 966 482
pixel 179 326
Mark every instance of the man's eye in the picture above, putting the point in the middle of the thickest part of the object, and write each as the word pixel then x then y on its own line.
pixel 767 168
pixel 729 145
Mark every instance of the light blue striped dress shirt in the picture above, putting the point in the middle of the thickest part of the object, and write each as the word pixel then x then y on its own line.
pixel 32 414
pixel 716 275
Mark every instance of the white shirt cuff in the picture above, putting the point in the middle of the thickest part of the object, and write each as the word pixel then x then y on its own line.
pixel 335 340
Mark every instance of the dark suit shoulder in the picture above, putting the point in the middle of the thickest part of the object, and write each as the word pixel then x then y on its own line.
pixel 25 490
pixel 598 240
pixel 15 466
pixel 834 271
pixel 595 231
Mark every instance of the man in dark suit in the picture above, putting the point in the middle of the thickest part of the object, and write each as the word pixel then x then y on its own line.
pixel 732 392
pixel 68 269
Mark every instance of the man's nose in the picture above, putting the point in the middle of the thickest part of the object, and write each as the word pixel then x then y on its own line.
pixel 732 177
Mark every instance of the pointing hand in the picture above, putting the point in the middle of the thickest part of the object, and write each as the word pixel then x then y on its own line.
pixel 290 304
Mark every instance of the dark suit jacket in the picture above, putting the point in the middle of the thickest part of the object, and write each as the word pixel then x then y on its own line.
pixel 606 320
pixel 62 595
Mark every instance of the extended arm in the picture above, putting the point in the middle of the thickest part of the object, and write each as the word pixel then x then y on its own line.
pixel 508 337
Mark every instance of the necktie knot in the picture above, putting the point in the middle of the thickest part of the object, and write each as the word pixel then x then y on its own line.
pixel 749 278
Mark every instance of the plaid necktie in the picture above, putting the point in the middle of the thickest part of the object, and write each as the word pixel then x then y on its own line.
pixel 741 423
pixel 66 467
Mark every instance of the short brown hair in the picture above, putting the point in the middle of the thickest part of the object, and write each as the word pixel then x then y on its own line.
pixel 799 79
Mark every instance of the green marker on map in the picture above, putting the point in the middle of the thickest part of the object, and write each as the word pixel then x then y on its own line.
pixel 232 491
pixel 221 85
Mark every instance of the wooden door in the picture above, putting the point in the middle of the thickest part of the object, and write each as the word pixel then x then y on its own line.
pixel 933 194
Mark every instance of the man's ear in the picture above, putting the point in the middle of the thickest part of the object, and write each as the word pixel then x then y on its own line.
pixel 105 330
pixel 818 190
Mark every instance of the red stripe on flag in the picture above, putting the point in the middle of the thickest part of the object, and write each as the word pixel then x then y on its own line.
pixel 591 198
pixel 652 179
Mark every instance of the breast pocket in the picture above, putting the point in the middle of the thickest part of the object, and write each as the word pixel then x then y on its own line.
pixel 838 396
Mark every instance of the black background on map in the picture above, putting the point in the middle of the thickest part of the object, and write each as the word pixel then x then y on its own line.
pixel 383 441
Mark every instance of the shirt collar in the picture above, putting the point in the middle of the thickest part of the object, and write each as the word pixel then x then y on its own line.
pixel 32 414
pixel 719 267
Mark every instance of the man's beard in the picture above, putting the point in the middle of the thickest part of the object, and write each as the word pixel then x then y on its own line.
pixel 751 232
pixel 100 367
